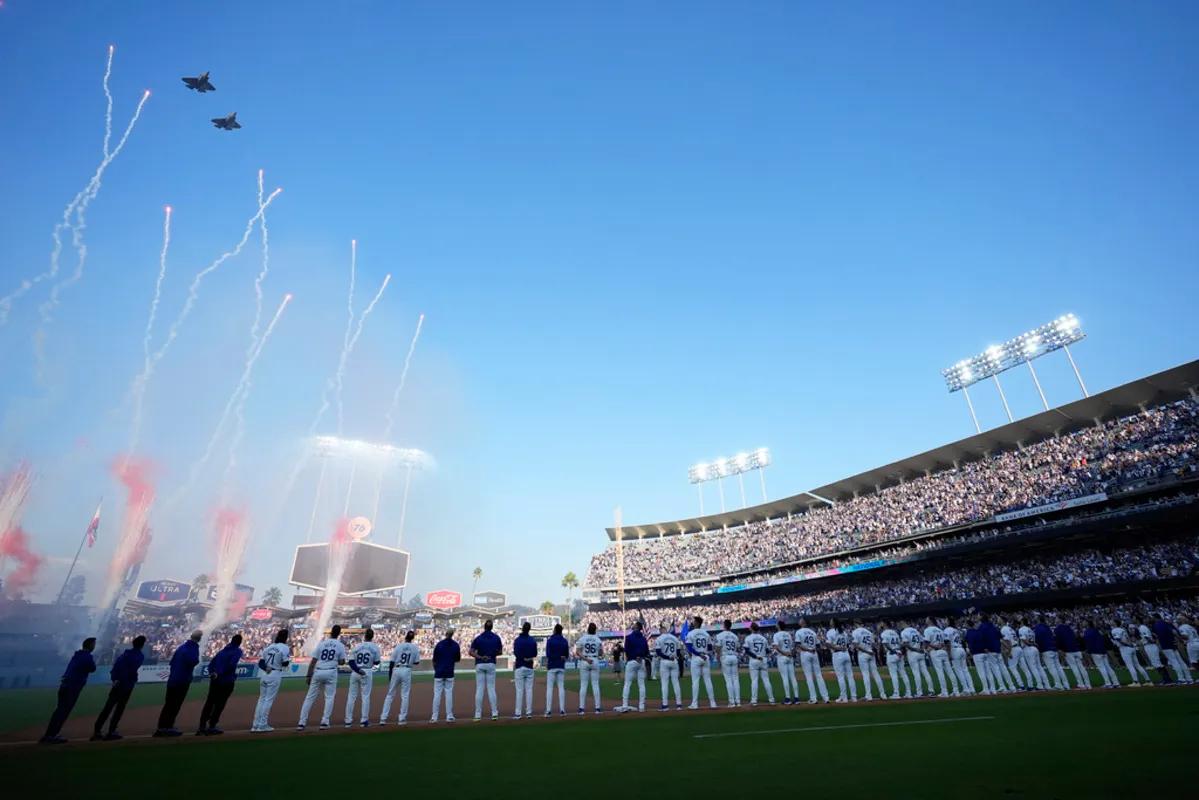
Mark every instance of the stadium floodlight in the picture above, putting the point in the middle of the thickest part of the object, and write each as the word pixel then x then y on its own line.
pixel 1024 349
pixel 721 468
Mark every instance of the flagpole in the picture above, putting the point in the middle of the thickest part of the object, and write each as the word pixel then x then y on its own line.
pixel 82 542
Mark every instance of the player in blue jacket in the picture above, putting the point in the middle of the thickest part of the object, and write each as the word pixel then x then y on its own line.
pixel 80 667
pixel 485 649
pixel 525 651
pixel 222 675
pixel 636 650
pixel 557 650
pixel 446 656
pixel 124 679
pixel 1047 645
pixel 183 666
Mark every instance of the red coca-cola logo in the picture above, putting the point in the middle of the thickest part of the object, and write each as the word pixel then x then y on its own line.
pixel 443 599
pixel 260 614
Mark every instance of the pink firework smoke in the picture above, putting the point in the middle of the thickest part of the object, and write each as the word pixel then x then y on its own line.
pixel 232 536
pixel 14 544
pixel 134 538
pixel 340 548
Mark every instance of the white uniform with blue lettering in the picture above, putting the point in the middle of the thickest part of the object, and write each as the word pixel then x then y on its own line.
pixel 588 649
pixel 729 647
pixel 405 656
pixel 701 667
pixel 807 641
pixel 367 656
pixel 328 655
pixel 895 665
pixel 1128 652
pixel 957 658
pixel 276 657
pixel 1153 653
pixel 759 669
pixel 1015 660
pixel 784 649
pixel 667 649
pixel 863 643
pixel 939 655
pixel 838 643
pixel 1191 637
pixel 913 642
pixel 1032 658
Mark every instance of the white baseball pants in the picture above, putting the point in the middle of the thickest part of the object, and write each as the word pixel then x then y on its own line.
pixel 1153 655
pixel 1105 669
pixel 323 680
pixel 701 667
pixel 268 687
pixel 360 683
pixel 401 679
pixel 589 675
pixel 524 690
pixel 1182 673
pixel 1081 678
pixel 1001 676
pixel 732 680
pixel 758 670
pixel 957 657
pixel 1193 653
pixel 896 669
pixel 1053 668
pixel 442 687
pixel 919 665
pixel 787 675
pixel 634 671
pixel 558 677
pixel 942 666
pixel 1014 663
pixel 868 666
pixel 843 668
pixel 485 679
pixel 668 674
pixel 1133 664
pixel 1032 662
pixel 810 662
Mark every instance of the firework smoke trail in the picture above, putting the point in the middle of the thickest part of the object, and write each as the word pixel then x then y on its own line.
pixel 139 386
pixel 14 492
pixel 134 536
pixel 395 402
pixel 14 543
pixel 232 537
pixel 77 228
pixel 345 343
pixel 266 265
pixel 242 392
pixel 339 556
pixel 108 96
pixel 345 355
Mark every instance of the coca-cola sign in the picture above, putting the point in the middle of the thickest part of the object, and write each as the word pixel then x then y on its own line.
pixel 443 599
pixel 261 614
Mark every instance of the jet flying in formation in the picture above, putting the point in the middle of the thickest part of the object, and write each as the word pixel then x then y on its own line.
pixel 227 123
pixel 200 84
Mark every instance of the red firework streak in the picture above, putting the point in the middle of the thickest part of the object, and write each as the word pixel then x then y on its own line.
pixel 14 544
pixel 134 538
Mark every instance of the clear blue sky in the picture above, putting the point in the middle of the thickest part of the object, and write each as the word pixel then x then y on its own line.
pixel 644 235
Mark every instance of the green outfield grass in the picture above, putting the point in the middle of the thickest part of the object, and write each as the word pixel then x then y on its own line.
pixel 1094 744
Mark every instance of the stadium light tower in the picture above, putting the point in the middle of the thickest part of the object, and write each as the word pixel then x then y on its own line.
pixel 1024 349
pixel 722 468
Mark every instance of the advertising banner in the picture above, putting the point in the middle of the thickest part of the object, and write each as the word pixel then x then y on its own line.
pixel 490 600
pixel 163 591
pixel 238 589
pixel 443 599
pixel 1073 502
pixel 541 624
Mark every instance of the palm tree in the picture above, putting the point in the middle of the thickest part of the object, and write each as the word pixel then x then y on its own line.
pixel 476 574
pixel 547 608
pixel 273 596
pixel 571 582
pixel 199 584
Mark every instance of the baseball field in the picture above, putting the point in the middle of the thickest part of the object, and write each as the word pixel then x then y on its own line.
pixel 1095 744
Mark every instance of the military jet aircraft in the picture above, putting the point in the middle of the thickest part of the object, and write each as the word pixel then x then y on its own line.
pixel 200 84
pixel 227 123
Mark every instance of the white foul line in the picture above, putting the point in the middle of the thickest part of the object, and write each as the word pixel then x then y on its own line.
pixel 840 727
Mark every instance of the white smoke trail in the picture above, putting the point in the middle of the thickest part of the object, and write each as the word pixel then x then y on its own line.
pixel 339 557
pixel 233 536
pixel 242 392
pixel 80 223
pixel 108 96
pixel 14 492
pixel 139 387
pixel 266 265
pixel 345 355
pixel 390 416
pixel 345 344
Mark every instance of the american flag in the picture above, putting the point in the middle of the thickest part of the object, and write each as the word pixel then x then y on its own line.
pixel 93 527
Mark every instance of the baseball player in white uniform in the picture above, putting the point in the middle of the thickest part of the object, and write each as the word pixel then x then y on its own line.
pixel 271 663
pixel 729 646
pixel 957 656
pixel 935 638
pixel 322 676
pixel 1015 658
pixel 405 656
pixel 1169 648
pixel 784 655
pixel 895 666
pixel 757 648
pixel 588 650
pixel 666 648
pixel 1153 653
pixel 809 659
pixel 1032 658
pixel 863 645
pixel 838 644
pixel 367 656
pixel 914 644
pixel 1191 639
pixel 699 645
pixel 1128 652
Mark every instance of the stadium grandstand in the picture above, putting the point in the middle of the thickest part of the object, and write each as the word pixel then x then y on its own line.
pixel 1091 500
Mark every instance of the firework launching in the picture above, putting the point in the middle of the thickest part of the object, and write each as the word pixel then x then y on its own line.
pixel 139 386
pixel 14 492
pixel 232 536
pixel 14 543
pixel 339 558
pixel 85 196
pixel 395 403
pixel 133 540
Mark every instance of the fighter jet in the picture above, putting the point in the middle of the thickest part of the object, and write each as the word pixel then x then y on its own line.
pixel 200 84
pixel 227 123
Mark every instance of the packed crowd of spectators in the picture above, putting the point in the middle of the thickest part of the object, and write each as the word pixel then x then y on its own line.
pixel 930 584
pixel 1154 444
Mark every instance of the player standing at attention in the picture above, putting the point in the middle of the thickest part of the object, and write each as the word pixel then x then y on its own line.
pixel 588 650
pixel 1032 658
pixel 1149 646
pixel 838 644
pixel 274 658
pixel 1092 638
pixel 617 661
pixel 914 644
pixel 1191 637
pixel 485 649
pixel 79 669
pixel 557 650
pixel 729 647
pixel 699 645
pixel 934 637
pixel 957 656
pixel 124 681
pixel 978 653
pixel 809 660
pixel 404 657
pixel 446 655
pixel 525 651
pixel 757 648
pixel 1165 634
pixel 784 655
pixel 367 656
pixel 667 648
pixel 1001 677
pixel 1067 644
pixel 895 666
pixel 1013 659
pixel 864 645
pixel 1049 658
pixel 322 676
pixel 1128 652
pixel 636 651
